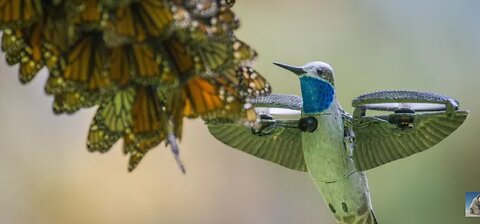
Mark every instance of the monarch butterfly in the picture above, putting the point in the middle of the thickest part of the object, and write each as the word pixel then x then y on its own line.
pixel 146 64
pixel 12 44
pixel 212 16
pixel 139 20
pixel 19 13
pixel 242 52
pixel 70 102
pixel 84 73
pixel 23 46
pixel 203 96
pixel 91 13
pixel 213 55
pixel 113 118
pixel 236 87
pixel 142 114
pixel 85 62
pixel 138 114
pixel 180 56
pixel 253 84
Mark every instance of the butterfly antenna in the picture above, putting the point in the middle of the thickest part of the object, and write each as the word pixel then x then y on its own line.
pixel 172 141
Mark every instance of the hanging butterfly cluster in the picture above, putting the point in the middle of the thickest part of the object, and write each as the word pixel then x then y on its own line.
pixel 147 64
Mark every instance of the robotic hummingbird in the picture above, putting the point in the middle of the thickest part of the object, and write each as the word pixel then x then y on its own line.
pixel 336 148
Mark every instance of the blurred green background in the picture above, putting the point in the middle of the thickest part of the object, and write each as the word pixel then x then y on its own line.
pixel 47 175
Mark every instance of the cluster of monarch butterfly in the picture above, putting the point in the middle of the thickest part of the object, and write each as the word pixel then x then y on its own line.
pixel 146 64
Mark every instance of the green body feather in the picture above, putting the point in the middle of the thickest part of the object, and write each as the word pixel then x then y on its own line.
pixel 329 162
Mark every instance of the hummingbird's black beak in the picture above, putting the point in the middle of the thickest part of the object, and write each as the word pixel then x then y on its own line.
pixel 294 69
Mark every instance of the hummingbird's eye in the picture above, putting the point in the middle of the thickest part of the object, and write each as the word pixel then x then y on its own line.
pixel 319 72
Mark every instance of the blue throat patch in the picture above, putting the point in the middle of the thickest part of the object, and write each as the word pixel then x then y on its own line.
pixel 317 94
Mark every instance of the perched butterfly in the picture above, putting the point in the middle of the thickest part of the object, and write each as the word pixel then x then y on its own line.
pixel 146 64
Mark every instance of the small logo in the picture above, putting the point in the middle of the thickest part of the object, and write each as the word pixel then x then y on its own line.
pixel 472 204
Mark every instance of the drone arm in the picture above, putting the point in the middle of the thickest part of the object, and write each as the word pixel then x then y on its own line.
pixel 419 121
